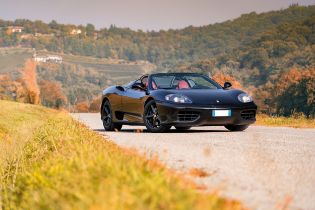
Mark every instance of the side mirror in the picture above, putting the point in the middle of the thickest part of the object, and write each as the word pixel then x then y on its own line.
pixel 227 85
pixel 121 88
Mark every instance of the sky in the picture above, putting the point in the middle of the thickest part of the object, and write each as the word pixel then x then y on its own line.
pixel 138 14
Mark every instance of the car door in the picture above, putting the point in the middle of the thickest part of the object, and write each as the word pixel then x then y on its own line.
pixel 132 104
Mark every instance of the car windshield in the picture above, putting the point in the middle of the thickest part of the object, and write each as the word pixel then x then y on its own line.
pixel 183 81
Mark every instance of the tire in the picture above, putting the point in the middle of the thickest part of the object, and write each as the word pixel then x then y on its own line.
pixel 152 120
pixel 236 127
pixel 107 119
pixel 182 128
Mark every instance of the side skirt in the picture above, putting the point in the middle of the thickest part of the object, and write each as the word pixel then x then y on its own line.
pixel 129 123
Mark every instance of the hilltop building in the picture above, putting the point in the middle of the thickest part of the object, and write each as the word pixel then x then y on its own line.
pixel 43 35
pixel 47 58
pixel 14 29
pixel 27 36
pixel 75 31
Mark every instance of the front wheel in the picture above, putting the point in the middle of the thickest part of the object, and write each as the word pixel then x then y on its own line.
pixel 107 118
pixel 236 127
pixel 152 119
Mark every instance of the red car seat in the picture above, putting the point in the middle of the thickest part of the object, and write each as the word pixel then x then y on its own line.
pixel 182 84
pixel 153 85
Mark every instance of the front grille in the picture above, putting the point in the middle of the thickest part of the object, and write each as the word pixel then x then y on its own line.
pixel 187 116
pixel 248 114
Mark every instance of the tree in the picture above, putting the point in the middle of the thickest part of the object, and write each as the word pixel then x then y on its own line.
pixel 95 105
pixel 29 79
pixel 53 25
pixel 51 94
pixel 221 78
pixel 82 107
pixel 292 91
pixel 6 87
pixel 90 29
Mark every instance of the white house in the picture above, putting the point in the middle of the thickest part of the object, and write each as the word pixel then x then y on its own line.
pixel 54 58
pixel 48 58
pixel 14 29
pixel 40 59
pixel 75 31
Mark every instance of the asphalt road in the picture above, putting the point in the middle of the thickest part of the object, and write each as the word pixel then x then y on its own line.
pixel 264 167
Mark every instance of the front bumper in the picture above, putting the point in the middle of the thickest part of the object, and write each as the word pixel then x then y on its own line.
pixel 189 115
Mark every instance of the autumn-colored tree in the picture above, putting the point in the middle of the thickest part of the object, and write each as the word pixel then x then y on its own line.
pixel 221 78
pixel 29 78
pixel 11 90
pixel 51 94
pixel 21 94
pixel 291 91
pixel 95 105
pixel 82 107
pixel 5 87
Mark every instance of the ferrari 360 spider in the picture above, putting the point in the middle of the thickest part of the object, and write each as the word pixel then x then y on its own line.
pixel 183 100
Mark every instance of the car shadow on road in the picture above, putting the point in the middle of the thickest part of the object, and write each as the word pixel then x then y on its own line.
pixel 170 131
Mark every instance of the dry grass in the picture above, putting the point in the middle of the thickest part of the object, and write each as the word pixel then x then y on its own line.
pixel 50 161
pixel 298 121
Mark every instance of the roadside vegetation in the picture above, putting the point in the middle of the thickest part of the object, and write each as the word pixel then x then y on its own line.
pixel 295 121
pixel 50 161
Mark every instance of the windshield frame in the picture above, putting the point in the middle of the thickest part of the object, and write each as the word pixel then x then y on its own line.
pixel 150 79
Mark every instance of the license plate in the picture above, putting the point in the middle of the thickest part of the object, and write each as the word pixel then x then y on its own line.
pixel 221 113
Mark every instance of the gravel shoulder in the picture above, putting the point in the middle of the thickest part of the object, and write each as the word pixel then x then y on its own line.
pixel 263 166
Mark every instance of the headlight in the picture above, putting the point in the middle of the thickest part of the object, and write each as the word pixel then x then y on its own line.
pixel 244 98
pixel 178 98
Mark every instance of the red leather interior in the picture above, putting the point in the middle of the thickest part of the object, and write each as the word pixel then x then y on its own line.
pixel 182 84
pixel 154 85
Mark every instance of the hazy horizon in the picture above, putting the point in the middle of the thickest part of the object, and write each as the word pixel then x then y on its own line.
pixel 138 14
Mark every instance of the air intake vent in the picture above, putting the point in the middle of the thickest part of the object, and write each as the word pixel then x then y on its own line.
pixel 187 116
pixel 248 114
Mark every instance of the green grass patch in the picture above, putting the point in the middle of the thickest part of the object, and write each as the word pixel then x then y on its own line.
pixel 11 59
pixel 298 121
pixel 50 161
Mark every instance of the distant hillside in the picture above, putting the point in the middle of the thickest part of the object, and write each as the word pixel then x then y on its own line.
pixel 290 44
pixel 253 49
pixel 84 78
pixel 81 78
pixel 163 47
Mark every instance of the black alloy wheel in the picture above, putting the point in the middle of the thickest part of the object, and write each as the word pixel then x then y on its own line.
pixel 107 118
pixel 152 119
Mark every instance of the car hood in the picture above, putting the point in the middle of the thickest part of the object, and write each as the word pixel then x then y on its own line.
pixel 209 96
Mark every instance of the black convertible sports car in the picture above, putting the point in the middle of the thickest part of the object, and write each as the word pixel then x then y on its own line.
pixel 160 101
